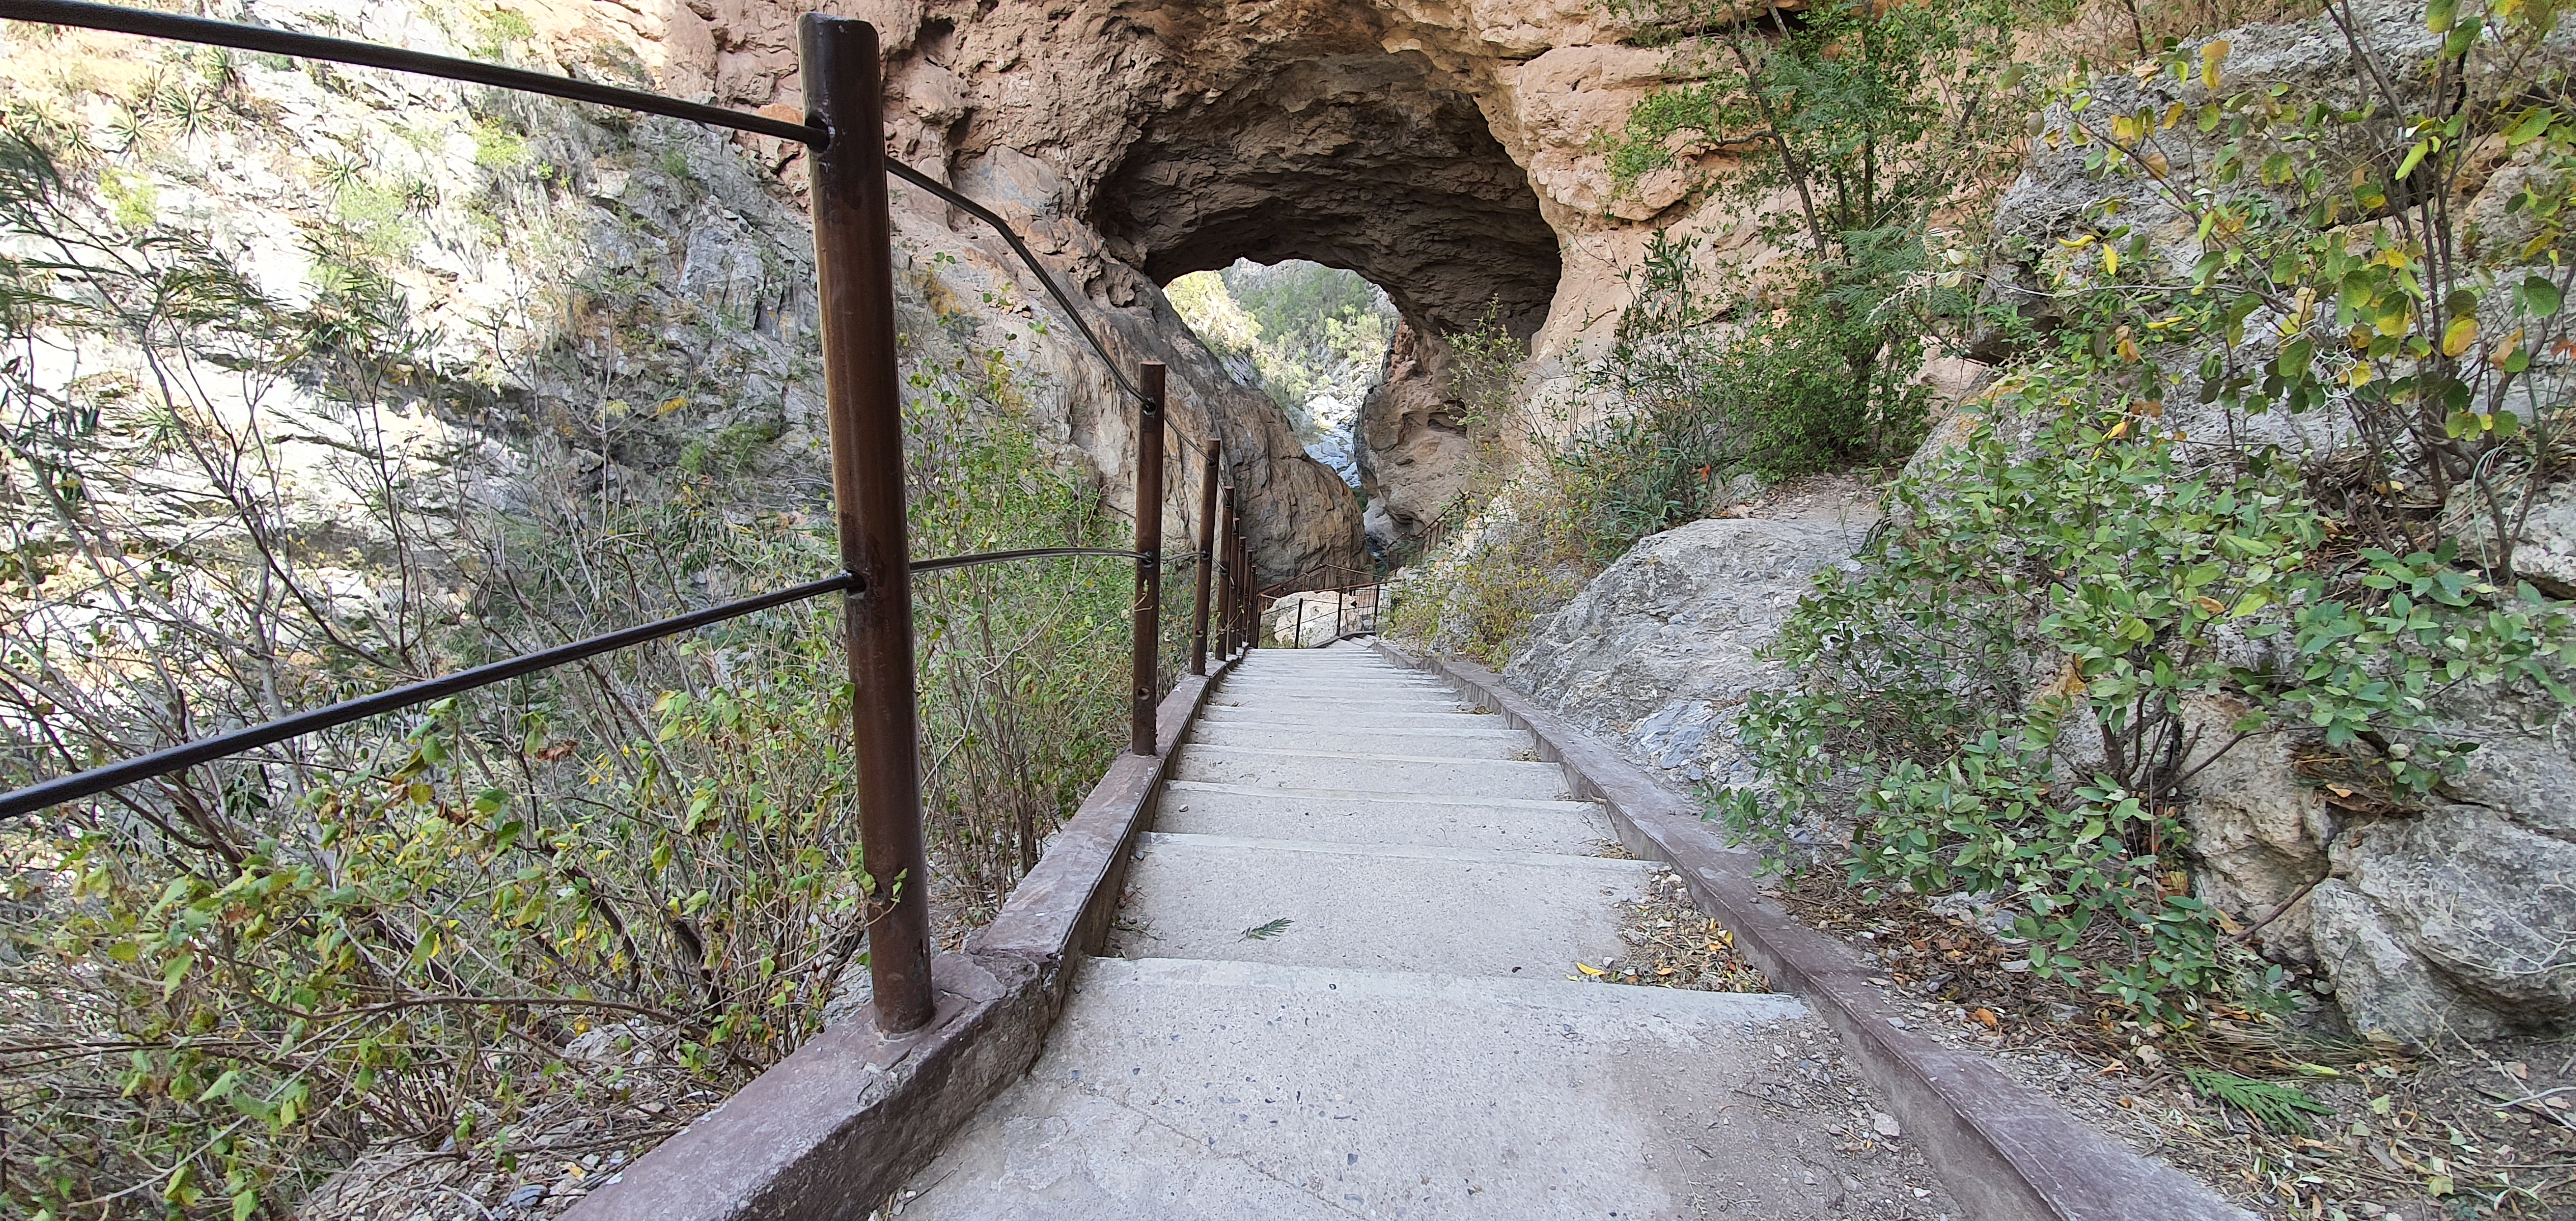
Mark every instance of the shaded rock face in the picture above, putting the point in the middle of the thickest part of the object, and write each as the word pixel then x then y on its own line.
pixel 1414 452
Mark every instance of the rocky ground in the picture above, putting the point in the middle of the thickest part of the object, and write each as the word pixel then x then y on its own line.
pixel 2456 1130
pixel 1659 650
pixel 1872 1168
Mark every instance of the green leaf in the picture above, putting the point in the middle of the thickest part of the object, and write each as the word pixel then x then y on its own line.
pixel 2438 18
pixel 1264 932
pixel 2540 297
pixel 2414 157
pixel 2281 1108
pixel 245 1202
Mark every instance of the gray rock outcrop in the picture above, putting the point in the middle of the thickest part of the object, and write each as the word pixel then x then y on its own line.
pixel 1659 652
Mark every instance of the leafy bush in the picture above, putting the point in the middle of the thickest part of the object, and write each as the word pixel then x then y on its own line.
pixel 634 877
pixel 2338 593
pixel 2147 578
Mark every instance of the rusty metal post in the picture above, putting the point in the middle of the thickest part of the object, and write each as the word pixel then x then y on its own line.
pixel 853 261
pixel 1207 558
pixel 1248 623
pixel 1247 602
pixel 1224 551
pixel 1149 557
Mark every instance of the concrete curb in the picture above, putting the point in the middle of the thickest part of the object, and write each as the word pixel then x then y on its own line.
pixel 2004 1150
pixel 836 1127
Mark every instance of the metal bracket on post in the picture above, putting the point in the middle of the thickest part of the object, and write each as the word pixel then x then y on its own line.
pixel 1149 557
pixel 1207 557
pixel 853 263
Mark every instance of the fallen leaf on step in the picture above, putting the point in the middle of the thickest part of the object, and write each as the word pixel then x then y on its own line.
pixel 1589 969
pixel 1264 932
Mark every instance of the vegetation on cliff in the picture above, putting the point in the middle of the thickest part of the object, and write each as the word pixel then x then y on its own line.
pixel 239 486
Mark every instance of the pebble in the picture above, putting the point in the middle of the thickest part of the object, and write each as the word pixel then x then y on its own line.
pixel 1884 1123
pixel 525 1195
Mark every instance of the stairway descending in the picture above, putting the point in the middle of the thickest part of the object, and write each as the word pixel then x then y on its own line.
pixel 1340 988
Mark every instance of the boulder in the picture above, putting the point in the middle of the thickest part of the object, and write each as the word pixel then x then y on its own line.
pixel 1660 650
pixel 2486 906
pixel 2258 834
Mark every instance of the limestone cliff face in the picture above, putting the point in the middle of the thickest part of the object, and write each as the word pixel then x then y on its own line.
pixel 1443 148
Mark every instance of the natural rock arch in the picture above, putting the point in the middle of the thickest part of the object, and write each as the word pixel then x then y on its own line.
pixel 1357 160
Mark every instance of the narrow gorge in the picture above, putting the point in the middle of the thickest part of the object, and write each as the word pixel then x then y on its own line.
pixel 1970 602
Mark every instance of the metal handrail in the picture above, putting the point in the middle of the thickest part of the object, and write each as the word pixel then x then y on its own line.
pixel 1369 622
pixel 247 37
pixel 842 84
pixel 1020 248
pixel 98 780
pixel 372 55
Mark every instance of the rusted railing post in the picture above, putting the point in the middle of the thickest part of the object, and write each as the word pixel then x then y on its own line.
pixel 1224 551
pixel 853 261
pixel 1247 600
pixel 1207 557
pixel 1149 557
pixel 1248 619
pixel 1299 640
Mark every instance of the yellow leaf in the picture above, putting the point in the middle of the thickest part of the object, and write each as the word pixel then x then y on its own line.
pixel 2077 243
pixel 2504 351
pixel 2209 604
pixel 2212 54
pixel 2110 261
pixel 671 404
pixel 2463 331
pixel 2118 430
pixel 1589 969
pixel 2174 114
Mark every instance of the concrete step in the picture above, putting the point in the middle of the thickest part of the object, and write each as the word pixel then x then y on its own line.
pixel 1338 685
pixel 1320 665
pixel 1496 743
pixel 1568 827
pixel 1455 725
pixel 1357 720
pixel 1377 907
pixel 1369 771
pixel 1232 1090
pixel 1302 707
pixel 1341 694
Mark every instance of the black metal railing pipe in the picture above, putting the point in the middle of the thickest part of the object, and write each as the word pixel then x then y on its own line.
pixel 150 24
pixel 241 36
pixel 98 780
pixel 94 781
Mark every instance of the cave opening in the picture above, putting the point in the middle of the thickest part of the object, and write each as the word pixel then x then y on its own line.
pixel 1315 339
pixel 1370 162
pixel 1366 162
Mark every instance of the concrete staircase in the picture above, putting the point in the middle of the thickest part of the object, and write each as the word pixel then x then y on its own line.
pixel 1340 988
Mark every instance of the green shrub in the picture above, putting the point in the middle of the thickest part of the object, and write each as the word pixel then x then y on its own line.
pixel 2341 595
pixel 221 986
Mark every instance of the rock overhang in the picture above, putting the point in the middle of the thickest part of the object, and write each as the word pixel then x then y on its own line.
pixel 1363 159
